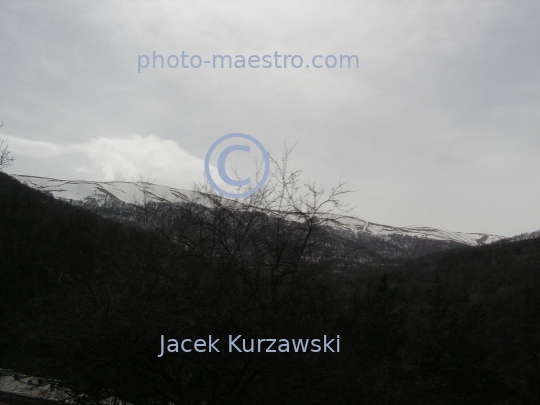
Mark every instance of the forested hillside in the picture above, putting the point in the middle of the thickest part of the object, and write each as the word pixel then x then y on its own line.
pixel 85 299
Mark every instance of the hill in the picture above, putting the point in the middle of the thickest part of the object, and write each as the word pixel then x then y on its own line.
pixel 379 242
pixel 85 299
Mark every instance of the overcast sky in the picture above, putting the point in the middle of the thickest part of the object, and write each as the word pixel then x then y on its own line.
pixel 439 125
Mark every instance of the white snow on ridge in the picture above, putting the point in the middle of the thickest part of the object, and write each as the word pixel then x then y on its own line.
pixel 358 225
pixel 127 192
pixel 134 193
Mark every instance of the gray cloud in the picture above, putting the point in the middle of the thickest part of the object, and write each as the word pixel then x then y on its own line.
pixel 438 126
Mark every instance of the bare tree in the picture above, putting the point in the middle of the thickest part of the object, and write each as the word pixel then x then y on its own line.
pixel 6 158
pixel 207 265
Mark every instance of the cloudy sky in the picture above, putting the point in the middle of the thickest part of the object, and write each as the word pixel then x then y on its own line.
pixel 439 125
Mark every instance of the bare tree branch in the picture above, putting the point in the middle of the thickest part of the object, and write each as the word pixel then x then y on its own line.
pixel 6 158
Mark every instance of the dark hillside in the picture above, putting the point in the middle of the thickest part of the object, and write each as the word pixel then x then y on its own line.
pixel 485 272
pixel 478 322
pixel 47 249
pixel 85 299
pixel 460 326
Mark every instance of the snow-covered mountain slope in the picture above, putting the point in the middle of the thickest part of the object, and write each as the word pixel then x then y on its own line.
pixel 122 191
pixel 425 232
pixel 135 193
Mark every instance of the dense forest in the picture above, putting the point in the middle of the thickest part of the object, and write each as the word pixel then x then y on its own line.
pixel 84 299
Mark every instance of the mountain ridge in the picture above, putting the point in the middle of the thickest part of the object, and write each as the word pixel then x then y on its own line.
pixel 138 192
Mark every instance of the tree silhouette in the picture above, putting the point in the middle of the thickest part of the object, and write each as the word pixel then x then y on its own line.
pixel 6 158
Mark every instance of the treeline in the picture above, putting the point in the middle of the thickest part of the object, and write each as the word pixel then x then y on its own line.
pixel 85 300
pixel 360 247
